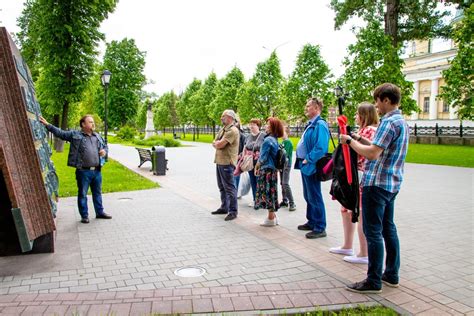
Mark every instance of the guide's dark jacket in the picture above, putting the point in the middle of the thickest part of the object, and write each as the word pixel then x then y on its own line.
pixel 76 139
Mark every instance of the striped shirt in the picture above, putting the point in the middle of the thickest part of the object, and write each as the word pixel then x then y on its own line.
pixel 386 172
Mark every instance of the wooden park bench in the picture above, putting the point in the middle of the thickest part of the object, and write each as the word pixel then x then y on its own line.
pixel 145 155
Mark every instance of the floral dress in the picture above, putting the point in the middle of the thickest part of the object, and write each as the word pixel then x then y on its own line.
pixel 266 196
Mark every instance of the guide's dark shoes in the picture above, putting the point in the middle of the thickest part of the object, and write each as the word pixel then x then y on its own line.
pixel 85 220
pixel 230 217
pixel 104 216
pixel 304 227
pixel 314 235
pixel 219 212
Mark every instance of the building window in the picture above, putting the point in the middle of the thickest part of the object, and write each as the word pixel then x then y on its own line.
pixel 445 107
pixel 426 104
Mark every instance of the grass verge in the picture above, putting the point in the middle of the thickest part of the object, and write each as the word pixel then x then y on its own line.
pixel 115 177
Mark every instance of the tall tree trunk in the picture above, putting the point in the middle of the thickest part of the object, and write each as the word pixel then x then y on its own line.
pixel 194 133
pixel 213 130
pixel 59 144
pixel 391 20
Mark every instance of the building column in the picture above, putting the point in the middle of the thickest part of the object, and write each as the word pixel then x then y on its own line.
pixel 433 115
pixel 416 97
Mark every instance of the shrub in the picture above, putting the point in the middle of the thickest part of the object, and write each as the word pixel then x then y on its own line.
pixel 126 133
pixel 157 141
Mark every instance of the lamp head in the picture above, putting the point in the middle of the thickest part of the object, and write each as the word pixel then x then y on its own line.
pixel 105 78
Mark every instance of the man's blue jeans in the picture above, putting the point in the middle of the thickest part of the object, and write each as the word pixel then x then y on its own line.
pixel 378 205
pixel 228 191
pixel 86 178
pixel 315 210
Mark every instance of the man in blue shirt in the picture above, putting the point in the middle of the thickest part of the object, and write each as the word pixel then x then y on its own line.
pixel 311 147
pixel 380 185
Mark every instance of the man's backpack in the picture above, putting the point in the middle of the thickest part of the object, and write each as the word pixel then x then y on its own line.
pixel 281 157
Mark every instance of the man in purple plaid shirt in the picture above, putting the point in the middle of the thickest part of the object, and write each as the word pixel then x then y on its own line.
pixel 381 182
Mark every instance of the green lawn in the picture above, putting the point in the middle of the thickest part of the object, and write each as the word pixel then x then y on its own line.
pixel 448 155
pixel 115 177
pixel 360 310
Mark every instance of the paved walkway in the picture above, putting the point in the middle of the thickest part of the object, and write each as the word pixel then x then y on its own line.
pixel 126 265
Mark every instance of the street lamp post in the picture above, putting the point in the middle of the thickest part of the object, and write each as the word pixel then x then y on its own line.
pixel 105 78
pixel 339 92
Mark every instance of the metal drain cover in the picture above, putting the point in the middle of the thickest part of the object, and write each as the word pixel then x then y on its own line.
pixel 190 272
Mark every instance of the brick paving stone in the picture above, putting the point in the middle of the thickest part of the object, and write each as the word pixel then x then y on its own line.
pixel 34 310
pixel 181 292
pixel 281 301
pixel 237 289
pixel 222 304
pixel 202 305
pixel 78 310
pixel 182 306
pixel 400 298
pixel 242 303
pixel 273 287
pixel 105 295
pixel 25 297
pixel 143 308
pixel 147 293
pixel 12 310
pixel 56 310
pixel 124 294
pixel 122 309
pixel 255 288
pixel 336 297
pixel 219 290
pixel 99 309
pixel 162 307
pixel 318 299
pixel 416 306
pixel 201 291
pixel 299 300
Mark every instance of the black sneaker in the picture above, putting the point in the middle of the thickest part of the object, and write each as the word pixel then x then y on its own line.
pixel 314 235
pixel 292 207
pixel 85 220
pixel 104 216
pixel 304 227
pixel 219 212
pixel 387 282
pixel 230 217
pixel 283 204
pixel 363 287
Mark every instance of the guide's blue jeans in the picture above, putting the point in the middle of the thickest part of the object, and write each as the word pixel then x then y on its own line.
pixel 86 178
pixel 379 227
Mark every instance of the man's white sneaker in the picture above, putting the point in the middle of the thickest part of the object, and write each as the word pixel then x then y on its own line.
pixel 251 204
pixel 270 222
pixel 355 259
pixel 340 251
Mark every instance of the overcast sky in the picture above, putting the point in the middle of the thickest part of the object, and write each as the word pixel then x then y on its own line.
pixel 188 38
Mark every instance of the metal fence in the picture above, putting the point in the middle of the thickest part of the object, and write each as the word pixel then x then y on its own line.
pixel 297 130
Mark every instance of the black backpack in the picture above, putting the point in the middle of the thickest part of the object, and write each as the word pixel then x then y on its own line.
pixel 281 157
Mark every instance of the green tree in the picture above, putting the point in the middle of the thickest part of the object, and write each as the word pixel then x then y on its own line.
pixel 126 63
pixel 200 109
pixel 165 111
pixel 59 40
pixel 227 93
pixel 184 103
pixel 405 20
pixel 459 89
pixel 260 97
pixel 311 77
pixel 372 61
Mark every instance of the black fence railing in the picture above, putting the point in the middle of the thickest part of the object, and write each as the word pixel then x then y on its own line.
pixel 297 130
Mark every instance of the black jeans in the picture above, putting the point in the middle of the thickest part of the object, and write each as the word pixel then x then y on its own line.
pixel 226 184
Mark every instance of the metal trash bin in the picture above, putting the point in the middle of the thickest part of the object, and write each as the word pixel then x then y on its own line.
pixel 159 161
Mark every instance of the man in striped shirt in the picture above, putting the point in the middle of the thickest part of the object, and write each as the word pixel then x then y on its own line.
pixel 381 182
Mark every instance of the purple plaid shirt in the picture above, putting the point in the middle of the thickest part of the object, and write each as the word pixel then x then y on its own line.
pixel 386 172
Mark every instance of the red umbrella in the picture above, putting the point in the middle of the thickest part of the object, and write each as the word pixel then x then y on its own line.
pixel 342 122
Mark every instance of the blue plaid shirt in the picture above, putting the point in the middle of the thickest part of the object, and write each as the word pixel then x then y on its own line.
pixel 386 172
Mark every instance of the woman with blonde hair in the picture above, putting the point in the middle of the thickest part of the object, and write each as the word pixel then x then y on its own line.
pixel 367 119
